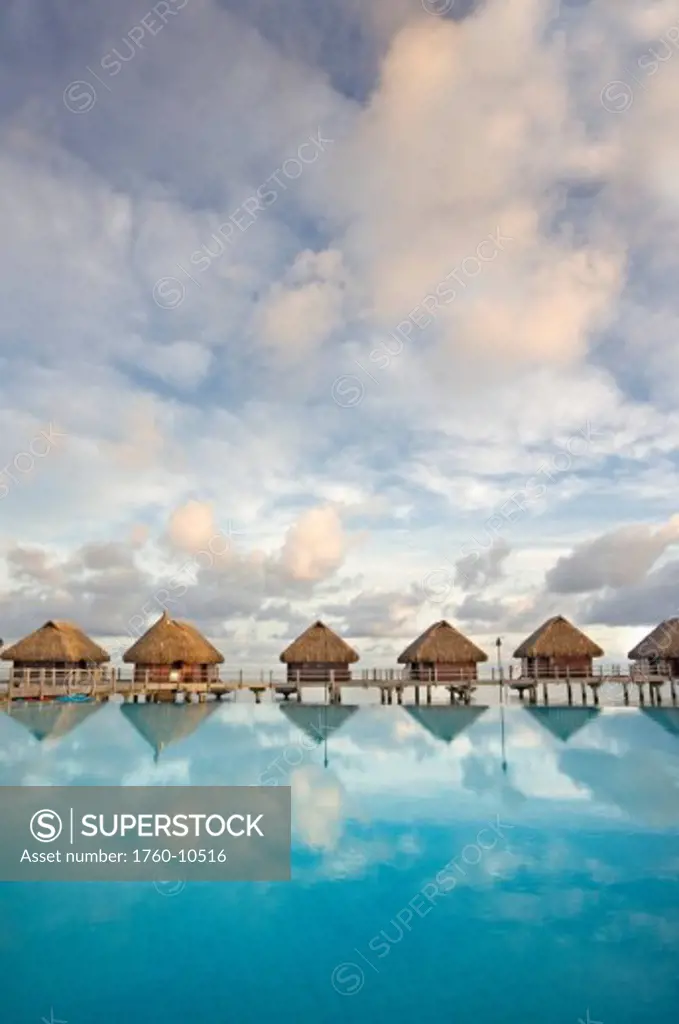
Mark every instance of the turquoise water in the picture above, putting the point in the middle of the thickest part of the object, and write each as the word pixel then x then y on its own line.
pixel 501 867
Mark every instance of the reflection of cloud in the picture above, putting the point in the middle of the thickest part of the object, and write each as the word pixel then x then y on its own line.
pixel 645 788
pixel 317 800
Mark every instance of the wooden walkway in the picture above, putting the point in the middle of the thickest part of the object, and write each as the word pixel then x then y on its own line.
pixel 103 685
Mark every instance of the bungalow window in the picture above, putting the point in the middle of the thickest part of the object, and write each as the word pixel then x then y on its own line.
pixel 176 671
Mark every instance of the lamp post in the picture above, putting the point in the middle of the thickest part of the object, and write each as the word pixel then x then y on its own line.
pixel 498 645
pixel 325 738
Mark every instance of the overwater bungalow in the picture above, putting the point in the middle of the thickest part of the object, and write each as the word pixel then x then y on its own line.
pixel 317 653
pixel 557 649
pixel 658 653
pixel 169 723
pixel 173 651
pixel 59 652
pixel 445 723
pixel 442 654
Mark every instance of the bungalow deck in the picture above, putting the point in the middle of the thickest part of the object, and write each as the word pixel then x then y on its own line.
pixel 393 686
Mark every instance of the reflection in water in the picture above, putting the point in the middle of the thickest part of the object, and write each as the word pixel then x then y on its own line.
pixel 584 883
pixel 163 724
pixel 668 718
pixel 51 721
pixel 563 722
pixel 445 723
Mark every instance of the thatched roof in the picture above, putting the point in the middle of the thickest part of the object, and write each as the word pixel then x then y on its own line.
pixel 441 643
pixel 563 722
pixel 55 642
pixel 162 724
pixel 51 721
pixel 661 642
pixel 168 641
pixel 667 718
pixel 319 721
pixel 557 637
pixel 319 643
pixel 445 723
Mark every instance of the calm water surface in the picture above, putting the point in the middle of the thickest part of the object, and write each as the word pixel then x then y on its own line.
pixel 456 865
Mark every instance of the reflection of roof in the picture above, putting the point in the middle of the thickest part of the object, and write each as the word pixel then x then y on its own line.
pixel 50 721
pixel 445 723
pixel 321 644
pixel 667 718
pixel 557 637
pixel 442 644
pixel 563 722
pixel 162 724
pixel 318 721
pixel 56 642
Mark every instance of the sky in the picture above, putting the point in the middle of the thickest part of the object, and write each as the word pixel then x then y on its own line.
pixel 361 311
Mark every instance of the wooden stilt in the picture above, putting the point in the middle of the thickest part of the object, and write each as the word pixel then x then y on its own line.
pixel 569 689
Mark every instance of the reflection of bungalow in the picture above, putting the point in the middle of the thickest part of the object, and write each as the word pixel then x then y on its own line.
pixel 51 721
pixel 445 723
pixel 167 723
pixel 173 651
pixel 666 718
pixel 316 653
pixel 563 722
pixel 319 721
pixel 658 653
pixel 442 654
pixel 557 648
pixel 60 649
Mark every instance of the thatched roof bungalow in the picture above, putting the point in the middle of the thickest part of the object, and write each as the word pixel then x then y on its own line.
pixel 316 653
pixel 173 651
pixel 557 648
pixel 658 653
pixel 442 654
pixel 57 647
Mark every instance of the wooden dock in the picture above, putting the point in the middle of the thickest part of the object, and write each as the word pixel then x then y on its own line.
pixel 393 686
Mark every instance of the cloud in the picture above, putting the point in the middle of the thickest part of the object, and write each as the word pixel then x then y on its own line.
pixel 479 215
pixel 192 526
pixel 301 312
pixel 617 559
pixel 314 547
pixel 477 570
